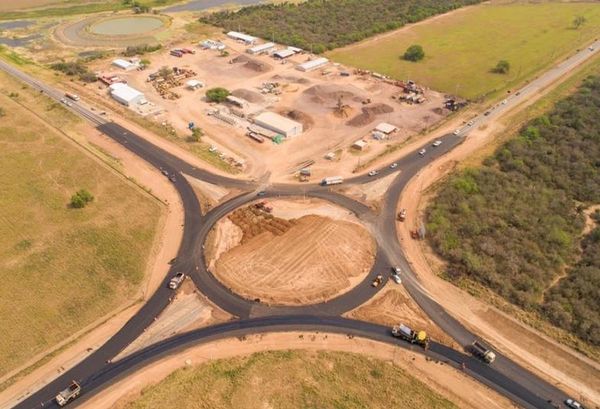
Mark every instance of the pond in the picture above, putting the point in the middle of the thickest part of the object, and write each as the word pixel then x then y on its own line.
pixel 126 26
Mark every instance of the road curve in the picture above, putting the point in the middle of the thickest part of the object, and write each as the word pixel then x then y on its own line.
pixel 504 376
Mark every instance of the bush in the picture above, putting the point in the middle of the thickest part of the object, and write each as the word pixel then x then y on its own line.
pixel 217 94
pixel 414 53
pixel 81 198
pixel 75 68
pixel 514 224
pixel 324 25
pixel 503 67
pixel 140 49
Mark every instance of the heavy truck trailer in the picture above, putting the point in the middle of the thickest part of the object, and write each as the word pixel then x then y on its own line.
pixel 483 352
pixel 408 334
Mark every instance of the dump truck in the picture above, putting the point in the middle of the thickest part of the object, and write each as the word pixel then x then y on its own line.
pixel 68 394
pixel 74 97
pixel 332 180
pixel 483 352
pixel 407 334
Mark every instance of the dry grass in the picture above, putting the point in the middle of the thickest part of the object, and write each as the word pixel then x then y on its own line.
pixel 291 379
pixel 60 268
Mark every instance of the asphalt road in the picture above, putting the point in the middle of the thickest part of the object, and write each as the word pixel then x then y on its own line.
pixel 96 372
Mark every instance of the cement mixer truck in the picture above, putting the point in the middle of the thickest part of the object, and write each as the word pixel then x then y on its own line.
pixel 407 334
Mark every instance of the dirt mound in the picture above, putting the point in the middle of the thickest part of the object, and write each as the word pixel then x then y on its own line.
pixel 321 94
pixel 310 260
pixel 368 115
pixel 248 95
pixel 254 221
pixel 290 79
pixel 299 116
pixel 251 64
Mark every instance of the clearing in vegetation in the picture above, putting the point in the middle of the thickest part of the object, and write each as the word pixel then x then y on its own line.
pixel 61 268
pixel 515 224
pixel 324 25
pixel 297 261
pixel 462 48
pixel 291 379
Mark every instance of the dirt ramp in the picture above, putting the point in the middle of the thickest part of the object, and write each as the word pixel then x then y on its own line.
pixel 325 94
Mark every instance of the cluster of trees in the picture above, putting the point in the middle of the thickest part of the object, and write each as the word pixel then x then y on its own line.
pixel 142 49
pixel 324 25
pixel 217 94
pixel 81 198
pixel 75 68
pixel 514 224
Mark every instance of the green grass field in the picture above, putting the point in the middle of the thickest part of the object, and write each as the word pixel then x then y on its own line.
pixel 289 380
pixel 462 47
pixel 61 268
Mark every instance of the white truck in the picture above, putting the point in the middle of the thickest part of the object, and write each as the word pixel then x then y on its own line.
pixel 68 394
pixel 483 352
pixel 332 180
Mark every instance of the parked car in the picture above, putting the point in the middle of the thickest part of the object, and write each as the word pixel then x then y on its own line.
pixel 396 270
pixel 456 132
pixel 373 173
pixel 393 165
pixel 176 281
pixel 470 123
pixel 172 178
pixel 212 149
pixel 422 152
pixel 261 193
pixel 505 102
pixel 396 279
pixel 436 143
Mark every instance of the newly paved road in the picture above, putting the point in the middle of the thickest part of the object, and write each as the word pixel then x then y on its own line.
pixel 95 372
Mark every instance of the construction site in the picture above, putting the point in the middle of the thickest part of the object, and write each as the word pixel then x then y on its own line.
pixel 290 252
pixel 285 110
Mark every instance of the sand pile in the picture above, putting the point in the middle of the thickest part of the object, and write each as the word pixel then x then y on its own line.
pixel 248 95
pixel 321 94
pixel 290 78
pixel 299 116
pixel 251 64
pixel 369 113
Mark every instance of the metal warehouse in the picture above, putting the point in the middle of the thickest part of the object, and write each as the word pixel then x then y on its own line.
pixel 242 37
pixel 257 49
pixel 313 64
pixel 279 124
pixel 126 95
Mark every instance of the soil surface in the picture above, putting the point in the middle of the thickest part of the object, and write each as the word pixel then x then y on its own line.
pixel 294 260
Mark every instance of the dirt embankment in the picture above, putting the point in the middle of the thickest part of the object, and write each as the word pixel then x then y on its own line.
pixel 291 262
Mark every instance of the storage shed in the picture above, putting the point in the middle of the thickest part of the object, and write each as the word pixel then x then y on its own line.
pixel 279 124
pixel 261 48
pixel 247 39
pixel 359 145
pixel 126 95
pixel 385 128
pixel 124 64
pixel 313 64
pixel 283 54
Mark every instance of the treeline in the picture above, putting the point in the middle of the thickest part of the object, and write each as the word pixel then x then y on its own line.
pixel 514 225
pixel 324 25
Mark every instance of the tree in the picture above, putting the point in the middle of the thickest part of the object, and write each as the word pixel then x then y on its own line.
pixel 578 22
pixel 81 198
pixel 165 72
pixel 197 134
pixel 502 67
pixel 218 94
pixel 414 53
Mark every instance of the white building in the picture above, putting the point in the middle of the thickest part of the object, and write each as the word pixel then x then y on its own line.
pixel 126 95
pixel 283 54
pixel 212 45
pixel 313 64
pixel 279 124
pixel 261 48
pixel 242 37
pixel 359 145
pixel 194 84
pixel 385 128
pixel 124 64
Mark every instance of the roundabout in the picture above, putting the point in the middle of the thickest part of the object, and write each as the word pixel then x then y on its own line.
pixel 120 30
pixel 290 251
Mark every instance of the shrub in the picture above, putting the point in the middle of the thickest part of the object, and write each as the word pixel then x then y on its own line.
pixel 503 67
pixel 81 198
pixel 218 94
pixel 414 53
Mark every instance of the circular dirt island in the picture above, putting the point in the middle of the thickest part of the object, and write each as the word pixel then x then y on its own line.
pixel 290 252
